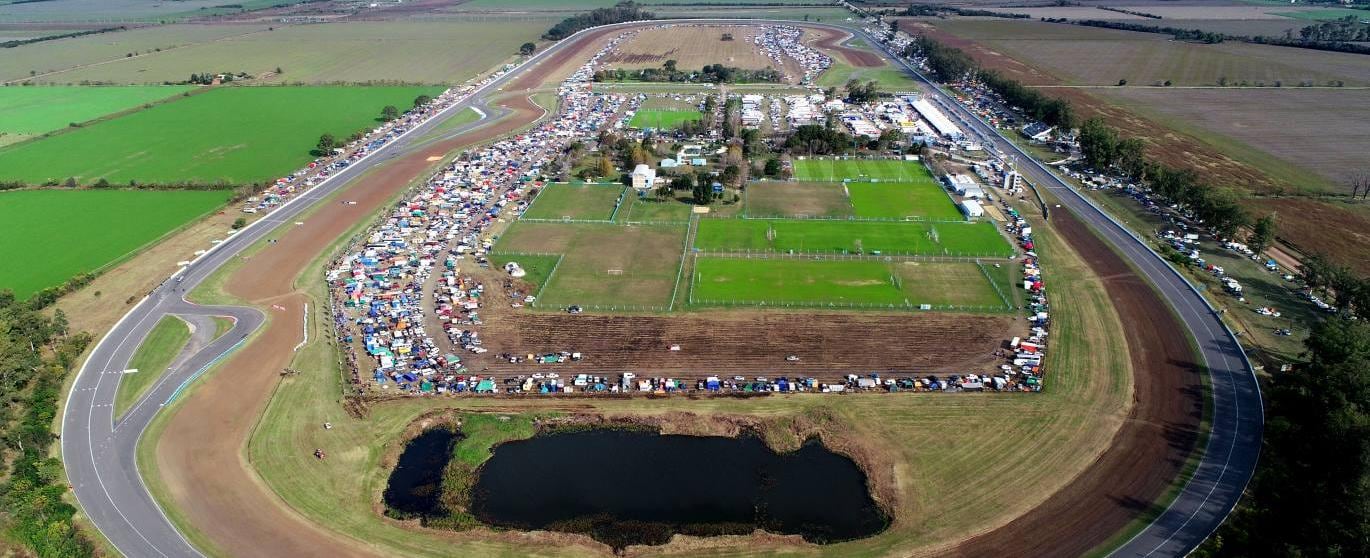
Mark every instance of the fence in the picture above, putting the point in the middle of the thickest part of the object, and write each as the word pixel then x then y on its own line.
pixel 844 256
pixel 1008 305
pixel 684 251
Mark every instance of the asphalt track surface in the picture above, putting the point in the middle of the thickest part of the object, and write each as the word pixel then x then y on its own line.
pixel 100 454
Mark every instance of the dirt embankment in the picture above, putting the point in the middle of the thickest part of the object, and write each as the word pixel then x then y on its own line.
pixel 1150 449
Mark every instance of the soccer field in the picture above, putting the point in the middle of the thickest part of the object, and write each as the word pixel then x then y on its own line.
pixel 233 134
pixel 661 119
pixel 902 200
pixel 604 266
pixel 31 111
pixel 837 170
pixel 849 237
pixel 49 236
pixel 875 284
pixel 575 202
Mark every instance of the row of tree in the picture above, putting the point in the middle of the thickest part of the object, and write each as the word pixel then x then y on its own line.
pixel 950 64
pixel 712 73
pixel 36 353
pixel 1104 150
pixel 1338 285
pixel 619 13
pixel 1334 37
pixel 21 42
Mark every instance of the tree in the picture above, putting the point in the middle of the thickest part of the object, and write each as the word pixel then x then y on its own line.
pixel 239 223
pixel 390 113
pixel 669 66
pixel 422 100
pixel 326 144
pixel 606 167
pixel 772 167
pixel 703 192
pixel 683 182
pixel 527 49
pixel 662 192
pixel 1098 143
pixel 1262 233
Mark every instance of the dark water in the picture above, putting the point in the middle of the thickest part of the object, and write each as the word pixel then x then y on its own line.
pixel 414 485
pixel 623 488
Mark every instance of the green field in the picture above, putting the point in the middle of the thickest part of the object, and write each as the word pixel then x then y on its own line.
pixel 234 134
pixel 48 236
pixel 107 11
pixel 352 52
pixel 575 202
pixel 798 199
pixel 37 61
pixel 837 170
pixel 30 111
pixel 662 119
pixel 887 78
pixel 849 237
pixel 924 199
pixel 163 343
pixel 753 281
pixel 604 265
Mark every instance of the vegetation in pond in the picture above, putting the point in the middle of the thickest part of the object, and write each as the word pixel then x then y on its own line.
pixel 632 487
pixel 414 487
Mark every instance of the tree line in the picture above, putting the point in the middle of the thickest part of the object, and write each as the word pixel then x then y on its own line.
pixel 950 64
pixel 937 10
pixel 21 42
pixel 619 13
pixel 1311 37
pixel 36 353
pixel 1104 150
pixel 711 73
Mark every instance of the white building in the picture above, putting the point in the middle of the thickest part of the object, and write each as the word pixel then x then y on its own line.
pixel 939 121
pixel 972 209
pixel 643 177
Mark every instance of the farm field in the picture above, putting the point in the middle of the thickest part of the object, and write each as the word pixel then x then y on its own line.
pixel 576 202
pixel 603 265
pixel 259 133
pixel 49 236
pixel 1320 130
pixel 1091 56
pixel 691 46
pixel 163 343
pixel 851 237
pixel 923 199
pixel 37 62
pixel 357 52
pixel 888 78
pixel 763 281
pixel 31 111
pixel 797 199
pixel 107 11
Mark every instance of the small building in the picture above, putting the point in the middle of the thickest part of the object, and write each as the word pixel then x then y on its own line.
pixel 643 177
pixel 971 209
pixel 688 152
pixel 1037 131
pixel 669 163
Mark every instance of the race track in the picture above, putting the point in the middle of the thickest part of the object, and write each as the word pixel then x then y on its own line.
pixel 100 455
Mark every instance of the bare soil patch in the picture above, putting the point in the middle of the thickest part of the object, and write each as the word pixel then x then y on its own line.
pixel 692 47
pixel 830 39
pixel 1336 229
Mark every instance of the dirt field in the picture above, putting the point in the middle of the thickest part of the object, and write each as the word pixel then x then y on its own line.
pixel 692 47
pixel 1333 228
pixel 790 199
pixel 1318 129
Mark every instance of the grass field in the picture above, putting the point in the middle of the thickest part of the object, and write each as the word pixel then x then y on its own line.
pixel 849 237
pixel 31 111
pixel 797 199
pixel 754 281
pixel 258 133
pixel 538 267
pixel 356 52
pixel 1058 432
pixel 153 357
pixel 575 202
pixel 603 265
pixel 897 200
pixel 888 78
pixel 837 170
pixel 106 11
pixel 48 236
pixel 662 119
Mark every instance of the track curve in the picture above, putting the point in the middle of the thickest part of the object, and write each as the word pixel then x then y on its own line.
pixel 100 455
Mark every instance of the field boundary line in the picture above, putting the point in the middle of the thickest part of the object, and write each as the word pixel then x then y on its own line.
pixel 684 253
pixel 537 298
pixel 1007 305
pixel 840 256
pixel 622 196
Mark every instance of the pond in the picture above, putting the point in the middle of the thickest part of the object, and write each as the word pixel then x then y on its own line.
pixel 415 483
pixel 632 487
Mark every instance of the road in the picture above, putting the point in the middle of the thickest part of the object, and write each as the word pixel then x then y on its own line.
pixel 100 454
pixel 1237 417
